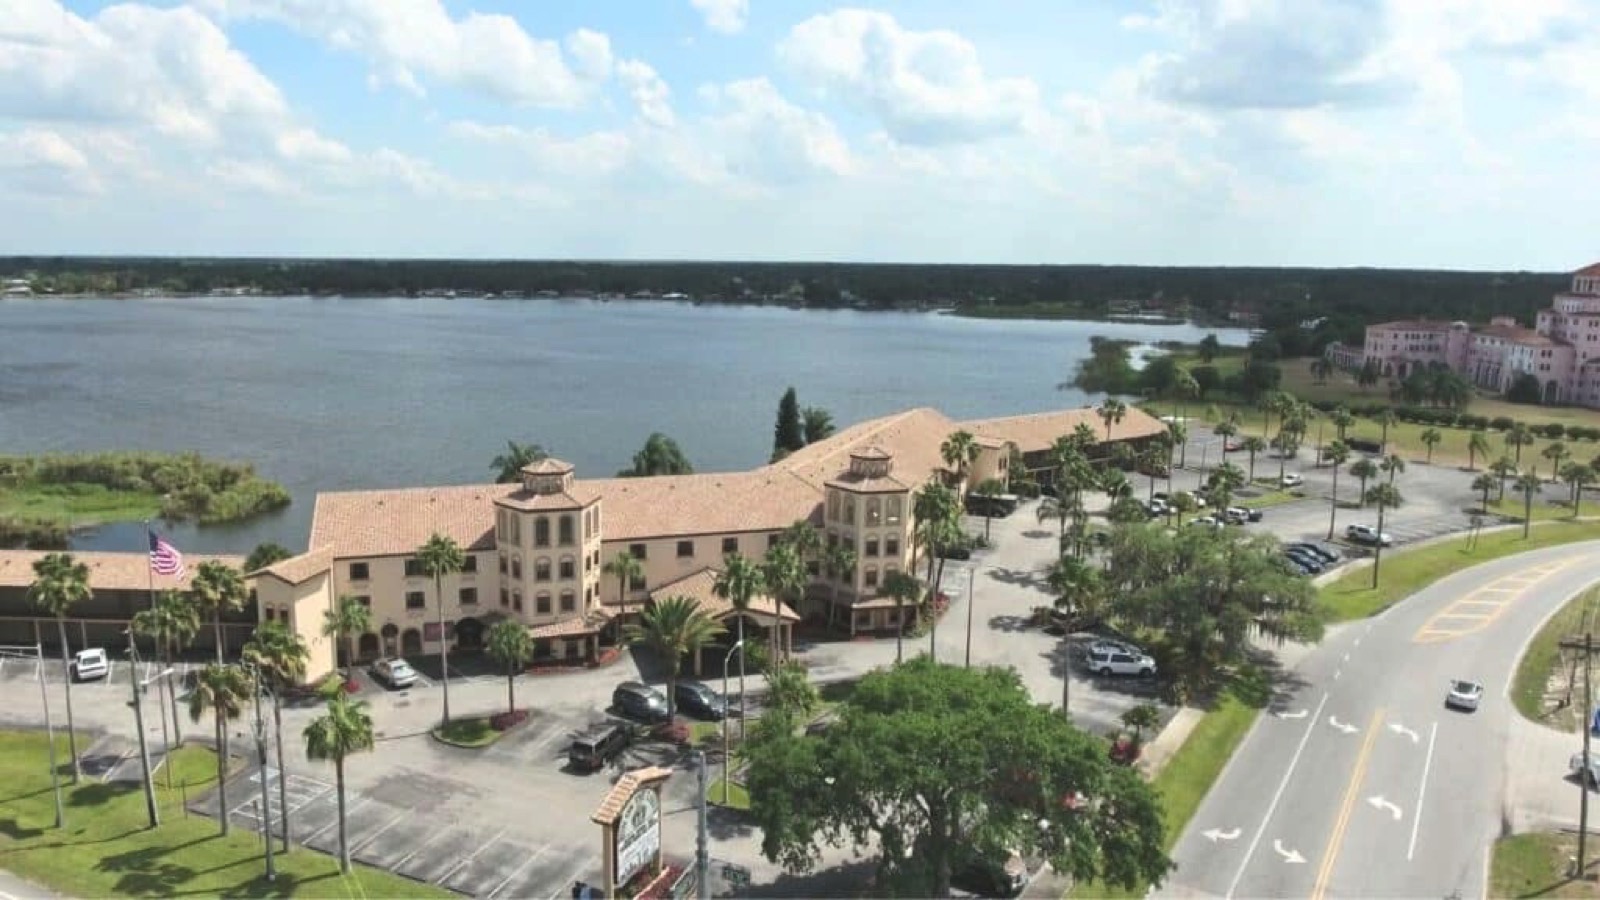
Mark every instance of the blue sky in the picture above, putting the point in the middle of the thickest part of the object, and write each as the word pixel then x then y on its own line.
pixel 1438 133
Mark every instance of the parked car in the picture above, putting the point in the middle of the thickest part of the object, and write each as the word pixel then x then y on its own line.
pixel 1233 445
pixel 1327 554
pixel 1238 515
pixel 1366 534
pixel 821 724
pixel 1309 561
pixel 1157 507
pixel 1107 645
pixel 599 747
pixel 1114 663
pixel 701 702
pixel 1000 874
pixel 1206 522
pixel 88 665
pixel 639 701
pixel 1464 695
pixel 1198 498
pixel 394 672
pixel 1296 566
pixel 1362 445
pixel 1292 480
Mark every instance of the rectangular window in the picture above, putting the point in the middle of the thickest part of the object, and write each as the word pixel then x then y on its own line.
pixel 541 604
pixel 415 600
pixel 470 566
pixel 541 569
pixel 892 511
pixel 730 545
pixel 469 596
pixel 516 568
pixel 891 546
pixel 569 601
pixel 638 551
pixel 872 547
pixel 541 532
pixel 358 572
pixel 414 568
pixel 569 569
pixel 813 568
pixel 505 597
pixel 772 540
pixel 568 533
pixel 870 577
pixel 502 564
pixel 516 600
pixel 685 549
pixel 636 584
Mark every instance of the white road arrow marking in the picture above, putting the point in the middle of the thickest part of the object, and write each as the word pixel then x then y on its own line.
pixel 1397 728
pixel 1300 714
pixel 1292 857
pixel 1379 803
pixel 1216 834
pixel 1347 729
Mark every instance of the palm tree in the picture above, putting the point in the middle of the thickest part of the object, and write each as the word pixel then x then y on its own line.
pixel 1336 454
pixel 1112 412
pixel 1529 484
pixel 1503 468
pixel 1184 387
pixel 784 573
pixel 1078 587
pixel 676 627
pixel 1057 508
pixel 1477 445
pixel 904 588
pixel 221 690
pixel 816 423
pixel 1577 476
pixel 938 527
pixel 440 557
pixel 1392 465
pixel 1518 437
pixel 1141 718
pixel 1557 453
pixel 739 583
pixel 804 538
pixel 1485 483
pixel 219 588
pixel 839 560
pixel 265 554
pixel 959 451
pixel 60 583
pixel 1385 418
pixel 1225 480
pixel 348 618
pixel 345 729
pixel 509 464
pixel 1385 496
pixel 1226 429
pixel 1253 445
pixel 170 623
pixel 1182 504
pixel 509 645
pixel 1342 420
pixel 280 656
pixel 628 571
pixel 990 488
pixel 1180 440
pixel 1365 470
pixel 1431 437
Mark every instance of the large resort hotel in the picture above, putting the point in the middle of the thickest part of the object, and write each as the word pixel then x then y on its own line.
pixel 536 550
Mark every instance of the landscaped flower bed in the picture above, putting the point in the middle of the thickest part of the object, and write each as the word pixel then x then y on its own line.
pixel 507 720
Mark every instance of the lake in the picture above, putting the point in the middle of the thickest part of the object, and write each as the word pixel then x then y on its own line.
pixel 341 393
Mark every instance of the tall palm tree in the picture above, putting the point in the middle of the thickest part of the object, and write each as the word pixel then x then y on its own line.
pixel 219 588
pixel 1111 412
pixel 60 583
pixel 1179 433
pixel 1364 469
pixel 1184 387
pixel 1225 480
pixel 739 583
pixel 348 618
pixel 1485 483
pixel 1392 465
pixel 1518 437
pixel 1529 484
pixel 440 556
pixel 676 627
pixel 959 451
pixel 904 588
pixel 1386 496
pixel 1477 445
pixel 221 690
pixel 1336 454
pixel 1078 587
pixel 171 623
pixel 627 570
pixel 344 730
pixel 1557 453
pixel 1431 437
pixel 1252 445
pixel 839 560
pixel 509 464
pixel 1342 420
pixel 280 656
pixel 1385 419
pixel 509 645
pixel 1503 469
pixel 784 574
pixel 1226 429
pixel 1577 476
pixel 804 538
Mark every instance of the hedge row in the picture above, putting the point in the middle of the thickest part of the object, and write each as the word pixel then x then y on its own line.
pixel 1450 418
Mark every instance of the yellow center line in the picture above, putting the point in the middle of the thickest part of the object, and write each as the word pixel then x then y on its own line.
pixel 1342 822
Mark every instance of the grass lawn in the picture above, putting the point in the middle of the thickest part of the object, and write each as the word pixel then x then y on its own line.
pixel 106 850
pixel 738 797
pixel 469 733
pixel 76 504
pixel 1551 504
pixel 1405 572
pixel 1543 658
pixel 1535 865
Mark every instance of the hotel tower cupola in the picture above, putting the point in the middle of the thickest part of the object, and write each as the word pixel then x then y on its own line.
pixel 870 462
pixel 547 476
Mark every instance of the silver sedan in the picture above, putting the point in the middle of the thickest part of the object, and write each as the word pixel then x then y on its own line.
pixel 1464 695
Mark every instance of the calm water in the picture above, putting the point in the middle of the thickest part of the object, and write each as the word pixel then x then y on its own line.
pixel 361 393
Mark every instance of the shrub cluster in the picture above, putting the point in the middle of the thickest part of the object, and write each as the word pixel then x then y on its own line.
pixel 191 487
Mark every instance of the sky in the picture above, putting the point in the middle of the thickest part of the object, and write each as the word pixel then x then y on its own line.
pixel 1459 134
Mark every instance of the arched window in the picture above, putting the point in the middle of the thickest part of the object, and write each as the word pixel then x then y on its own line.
pixel 569 601
pixel 516 600
pixel 541 569
pixel 849 509
pixel 892 511
pixel 541 532
pixel 569 567
pixel 569 532
pixel 874 510
pixel 516 566
pixel 869 577
pixel 541 603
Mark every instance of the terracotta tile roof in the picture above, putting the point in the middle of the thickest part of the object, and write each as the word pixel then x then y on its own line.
pixel 1586 271
pixel 394 522
pixel 1038 431
pixel 713 503
pixel 297 569
pixel 701 588
pixel 1413 325
pixel 1516 334
pixel 107 571
pixel 623 791
pixel 577 626
pixel 547 466
pixel 860 485
pixel 911 438
pixel 579 495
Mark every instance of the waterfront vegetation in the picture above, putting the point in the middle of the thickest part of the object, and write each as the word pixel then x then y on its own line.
pixel 107 850
pixel 42 498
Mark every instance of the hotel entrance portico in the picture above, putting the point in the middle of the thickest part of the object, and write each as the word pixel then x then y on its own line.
pixel 766 619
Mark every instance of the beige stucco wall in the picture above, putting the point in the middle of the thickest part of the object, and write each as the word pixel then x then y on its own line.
pixel 859 521
pixel 662 564
pixel 302 606
pixel 991 463
pixel 387 585
pixel 517 532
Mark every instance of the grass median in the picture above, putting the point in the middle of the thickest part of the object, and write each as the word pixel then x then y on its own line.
pixel 470 733
pixel 106 848
pixel 1535 865
pixel 1542 660
pixel 1404 572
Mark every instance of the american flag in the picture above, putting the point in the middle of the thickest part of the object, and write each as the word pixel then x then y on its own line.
pixel 165 558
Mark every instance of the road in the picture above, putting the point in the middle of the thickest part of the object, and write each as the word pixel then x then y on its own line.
pixel 14 888
pixel 1358 782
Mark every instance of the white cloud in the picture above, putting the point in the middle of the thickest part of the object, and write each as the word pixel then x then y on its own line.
pixel 755 133
pixel 591 54
pixel 43 162
pixel 588 156
pixel 253 176
pixel 406 41
pixel 649 92
pixel 925 87
pixel 724 16
pixel 305 145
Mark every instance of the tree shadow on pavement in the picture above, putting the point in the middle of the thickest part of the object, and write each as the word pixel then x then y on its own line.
pixel 1010 624
pixel 852 879
pixel 1015 577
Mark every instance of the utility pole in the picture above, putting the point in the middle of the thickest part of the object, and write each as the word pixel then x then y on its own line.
pixel 702 848
pixel 971 570
pixel 144 745
pixel 261 775
pixel 1584 776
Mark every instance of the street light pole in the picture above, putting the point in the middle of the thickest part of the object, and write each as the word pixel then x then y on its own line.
pixel 261 774
pixel 50 735
pixel 971 569
pixel 702 848
pixel 1583 780
pixel 144 745
pixel 726 749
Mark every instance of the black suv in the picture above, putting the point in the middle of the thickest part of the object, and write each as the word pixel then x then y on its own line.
pixel 640 702
pixel 697 700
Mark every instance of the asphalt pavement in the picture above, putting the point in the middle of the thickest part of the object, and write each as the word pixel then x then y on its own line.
pixel 1358 782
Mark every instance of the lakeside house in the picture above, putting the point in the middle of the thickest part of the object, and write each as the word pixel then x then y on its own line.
pixel 536 550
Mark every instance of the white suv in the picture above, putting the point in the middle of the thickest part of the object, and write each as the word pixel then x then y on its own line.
pixel 1366 534
pixel 1112 662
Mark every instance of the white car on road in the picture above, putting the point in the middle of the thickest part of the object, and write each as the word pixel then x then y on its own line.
pixel 90 664
pixel 1366 534
pixel 1292 479
pixel 1464 695
pixel 1112 662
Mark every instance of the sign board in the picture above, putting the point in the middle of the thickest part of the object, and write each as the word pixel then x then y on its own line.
pixel 637 834
pixel 738 876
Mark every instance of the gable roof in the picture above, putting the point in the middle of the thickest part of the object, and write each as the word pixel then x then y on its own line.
pixel 297 569
pixel 701 587
pixel 911 438
pixel 1038 431
pixel 109 571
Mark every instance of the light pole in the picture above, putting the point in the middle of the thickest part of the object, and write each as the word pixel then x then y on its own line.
pixel 702 848
pixel 260 728
pixel 971 569
pixel 726 750
pixel 138 722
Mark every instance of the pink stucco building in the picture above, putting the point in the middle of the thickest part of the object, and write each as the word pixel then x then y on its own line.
pixel 1562 349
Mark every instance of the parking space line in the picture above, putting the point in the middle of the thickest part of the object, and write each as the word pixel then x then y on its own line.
pixel 111 672
pixel 437 833
pixel 471 856
pixel 386 826
pixel 517 871
pixel 324 829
